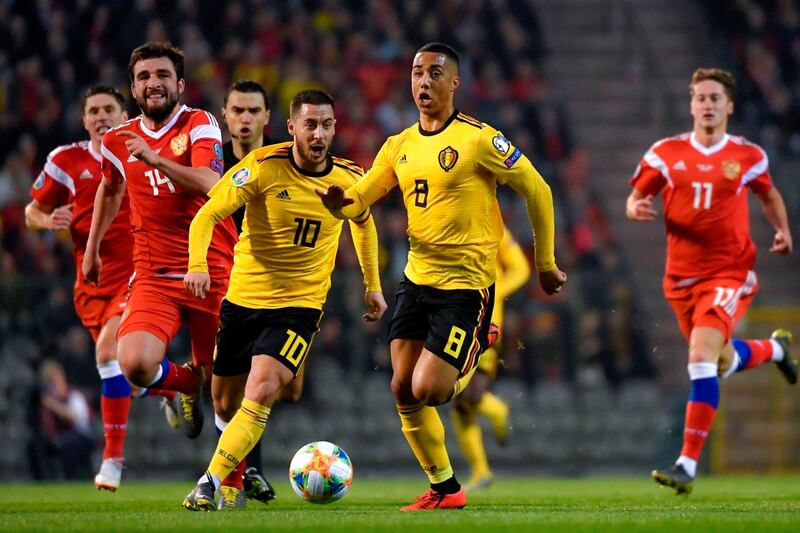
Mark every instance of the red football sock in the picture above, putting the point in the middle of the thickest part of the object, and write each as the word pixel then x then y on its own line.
pixel 115 422
pixel 234 479
pixel 180 378
pixel 699 418
pixel 760 352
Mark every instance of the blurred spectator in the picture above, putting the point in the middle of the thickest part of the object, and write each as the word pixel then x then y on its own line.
pixel 62 443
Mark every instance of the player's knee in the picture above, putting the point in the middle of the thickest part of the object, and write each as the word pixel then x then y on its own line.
pixel 431 393
pixel 700 352
pixel 265 391
pixel 401 391
pixel 135 371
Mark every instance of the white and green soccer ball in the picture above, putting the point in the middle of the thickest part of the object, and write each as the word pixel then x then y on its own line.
pixel 321 472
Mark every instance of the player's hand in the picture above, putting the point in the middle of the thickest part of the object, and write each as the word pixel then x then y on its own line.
pixel 781 243
pixel 641 209
pixel 334 199
pixel 139 148
pixel 61 217
pixel 552 280
pixel 376 306
pixel 197 284
pixel 92 267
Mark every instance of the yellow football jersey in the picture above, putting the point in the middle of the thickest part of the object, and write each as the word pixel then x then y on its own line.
pixel 288 244
pixel 448 180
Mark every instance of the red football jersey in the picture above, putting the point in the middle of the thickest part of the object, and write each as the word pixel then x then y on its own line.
pixel 705 202
pixel 161 211
pixel 72 175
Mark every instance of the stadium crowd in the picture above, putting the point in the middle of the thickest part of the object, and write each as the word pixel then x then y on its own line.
pixel 51 51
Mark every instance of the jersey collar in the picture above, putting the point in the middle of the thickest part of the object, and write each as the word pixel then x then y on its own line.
pixel 427 133
pixel 94 154
pixel 708 150
pixel 310 174
pixel 164 129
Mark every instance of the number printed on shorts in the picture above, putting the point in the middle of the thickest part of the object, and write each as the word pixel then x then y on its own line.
pixel 455 341
pixel 724 296
pixel 295 348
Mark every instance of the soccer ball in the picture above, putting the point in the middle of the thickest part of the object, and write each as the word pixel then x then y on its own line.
pixel 321 472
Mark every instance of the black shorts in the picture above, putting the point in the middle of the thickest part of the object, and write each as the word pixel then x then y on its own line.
pixel 284 334
pixel 453 323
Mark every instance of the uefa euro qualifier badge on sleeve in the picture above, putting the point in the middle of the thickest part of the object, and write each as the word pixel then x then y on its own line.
pixel 240 177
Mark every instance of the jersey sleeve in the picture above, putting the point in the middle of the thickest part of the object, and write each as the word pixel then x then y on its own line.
pixel 375 184
pixel 496 155
pixel 651 174
pixel 111 165
pixel 205 138
pixel 240 184
pixel 53 187
pixel 757 177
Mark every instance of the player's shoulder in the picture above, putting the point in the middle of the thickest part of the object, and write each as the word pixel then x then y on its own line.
pixel 680 141
pixel 196 117
pixel 69 151
pixel 271 152
pixel 463 118
pixel 110 137
pixel 350 167
pixel 747 145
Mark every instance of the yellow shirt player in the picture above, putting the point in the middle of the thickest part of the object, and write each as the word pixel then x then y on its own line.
pixel 513 271
pixel 448 167
pixel 280 279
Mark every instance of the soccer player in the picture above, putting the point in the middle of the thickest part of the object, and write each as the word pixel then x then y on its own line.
pixel 168 159
pixel 280 278
pixel 513 271
pixel 448 167
pixel 246 111
pixel 63 198
pixel 709 279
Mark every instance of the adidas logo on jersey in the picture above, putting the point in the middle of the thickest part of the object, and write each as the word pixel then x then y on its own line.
pixel 403 160
pixel 85 175
pixel 680 165
pixel 284 195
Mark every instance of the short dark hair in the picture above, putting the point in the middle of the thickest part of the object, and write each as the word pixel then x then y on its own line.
pixel 155 49
pixel 102 89
pixel 247 86
pixel 310 96
pixel 719 75
pixel 441 48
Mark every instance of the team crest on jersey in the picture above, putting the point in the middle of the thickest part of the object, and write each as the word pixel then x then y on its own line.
pixel 448 158
pixel 39 183
pixel 731 169
pixel 501 144
pixel 239 177
pixel 179 144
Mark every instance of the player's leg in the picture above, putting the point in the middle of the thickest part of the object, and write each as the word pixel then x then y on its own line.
pixel 227 393
pixel 705 346
pixel 468 431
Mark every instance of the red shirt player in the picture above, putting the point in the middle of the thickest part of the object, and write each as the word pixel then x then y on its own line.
pixel 709 280
pixel 63 197
pixel 167 158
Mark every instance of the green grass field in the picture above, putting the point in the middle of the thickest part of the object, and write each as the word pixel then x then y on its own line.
pixel 598 504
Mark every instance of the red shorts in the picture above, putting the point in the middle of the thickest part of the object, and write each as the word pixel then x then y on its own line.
pixel 159 306
pixel 717 302
pixel 95 310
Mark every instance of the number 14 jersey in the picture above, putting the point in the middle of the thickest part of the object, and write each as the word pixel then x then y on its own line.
pixel 161 211
pixel 705 201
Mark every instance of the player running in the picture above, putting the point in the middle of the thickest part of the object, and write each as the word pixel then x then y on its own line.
pixel 63 198
pixel 448 167
pixel 709 279
pixel 513 271
pixel 167 159
pixel 280 279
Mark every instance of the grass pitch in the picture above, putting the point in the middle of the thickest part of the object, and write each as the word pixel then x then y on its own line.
pixel 609 504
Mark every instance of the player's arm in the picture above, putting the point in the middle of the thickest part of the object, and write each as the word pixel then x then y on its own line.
pixel 365 240
pixel 224 198
pixel 197 178
pixel 106 206
pixel 355 201
pixel 39 216
pixel 648 179
pixel 516 270
pixel 775 211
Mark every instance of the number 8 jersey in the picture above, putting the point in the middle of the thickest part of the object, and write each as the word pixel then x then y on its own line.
pixel 161 211
pixel 705 202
